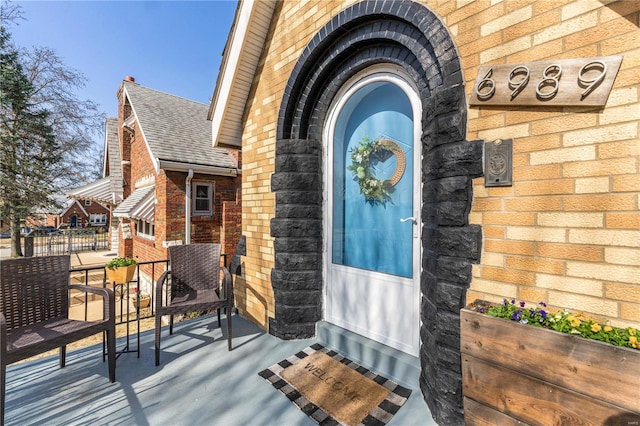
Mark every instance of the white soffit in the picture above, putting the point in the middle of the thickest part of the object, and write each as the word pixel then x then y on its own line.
pixel 241 57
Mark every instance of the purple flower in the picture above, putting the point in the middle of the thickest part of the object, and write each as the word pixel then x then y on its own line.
pixel 504 302
pixel 543 314
pixel 513 301
pixel 543 304
pixel 481 310
pixel 516 315
pixel 522 304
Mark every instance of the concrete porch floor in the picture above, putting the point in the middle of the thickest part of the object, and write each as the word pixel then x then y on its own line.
pixel 198 382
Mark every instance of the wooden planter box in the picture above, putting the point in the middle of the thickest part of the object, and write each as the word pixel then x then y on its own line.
pixel 121 274
pixel 515 372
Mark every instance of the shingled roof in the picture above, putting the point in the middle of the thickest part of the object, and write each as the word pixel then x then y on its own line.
pixel 112 150
pixel 175 129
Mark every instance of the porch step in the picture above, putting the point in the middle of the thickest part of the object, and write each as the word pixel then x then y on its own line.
pixel 398 366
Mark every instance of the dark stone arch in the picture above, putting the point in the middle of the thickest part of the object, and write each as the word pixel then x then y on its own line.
pixel 410 36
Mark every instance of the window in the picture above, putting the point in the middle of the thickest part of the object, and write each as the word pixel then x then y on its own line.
pixel 145 229
pixel 87 202
pixel 203 199
pixel 98 219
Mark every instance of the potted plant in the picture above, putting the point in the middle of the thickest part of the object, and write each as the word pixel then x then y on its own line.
pixel 526 364
pixel 140 299
pixel 120 270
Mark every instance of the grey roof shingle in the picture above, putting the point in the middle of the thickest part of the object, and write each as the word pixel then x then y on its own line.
pixel 113 156
pixel 176 129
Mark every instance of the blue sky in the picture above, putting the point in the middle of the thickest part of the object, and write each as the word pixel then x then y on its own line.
pixel 172 46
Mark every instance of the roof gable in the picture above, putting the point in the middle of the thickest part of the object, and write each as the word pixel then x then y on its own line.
pixel 70 204
pixel 175 129
pixel 239 63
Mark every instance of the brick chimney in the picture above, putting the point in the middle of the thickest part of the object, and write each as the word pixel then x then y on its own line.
pixel 129 78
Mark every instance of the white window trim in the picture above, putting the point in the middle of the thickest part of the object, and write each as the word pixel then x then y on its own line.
pixel 87 202
pixel 211 198
pixel 101 216
pixel 140 233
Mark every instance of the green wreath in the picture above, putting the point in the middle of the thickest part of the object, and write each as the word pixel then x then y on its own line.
pixel 376 190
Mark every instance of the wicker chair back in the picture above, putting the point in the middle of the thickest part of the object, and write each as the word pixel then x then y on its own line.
pixel 192 267
pixel 34 290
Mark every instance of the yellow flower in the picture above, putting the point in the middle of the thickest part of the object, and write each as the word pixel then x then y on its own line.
pixel 595 327
pixel 575 322
pixel 608 328
pixel 633 340
pixel 632 331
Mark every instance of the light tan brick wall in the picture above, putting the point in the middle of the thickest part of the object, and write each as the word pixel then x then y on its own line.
pixel 296 23
pixel 567 231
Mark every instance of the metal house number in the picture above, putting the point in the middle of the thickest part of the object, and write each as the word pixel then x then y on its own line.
pixel 584 82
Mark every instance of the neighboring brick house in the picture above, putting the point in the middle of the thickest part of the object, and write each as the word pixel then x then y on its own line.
pixel 302 84
pixel 76 213
pixel 175 187
pixel 81 213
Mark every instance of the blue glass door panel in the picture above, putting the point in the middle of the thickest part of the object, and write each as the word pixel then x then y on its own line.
pixel 366 234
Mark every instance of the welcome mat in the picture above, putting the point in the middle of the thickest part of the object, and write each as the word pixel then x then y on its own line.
pixel 332 389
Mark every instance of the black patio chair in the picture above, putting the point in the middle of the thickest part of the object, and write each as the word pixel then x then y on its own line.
pixel 193 284
pixel 34 313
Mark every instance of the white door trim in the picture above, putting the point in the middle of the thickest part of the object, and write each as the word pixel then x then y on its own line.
pixel 397 76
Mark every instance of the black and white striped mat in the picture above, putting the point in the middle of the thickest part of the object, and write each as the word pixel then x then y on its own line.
pixel 380 415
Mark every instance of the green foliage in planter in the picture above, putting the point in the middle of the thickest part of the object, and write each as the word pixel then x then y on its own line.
pixel 564 322
pixel 117 262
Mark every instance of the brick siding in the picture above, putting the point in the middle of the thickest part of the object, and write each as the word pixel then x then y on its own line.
pixel 169 216
pixel 575 191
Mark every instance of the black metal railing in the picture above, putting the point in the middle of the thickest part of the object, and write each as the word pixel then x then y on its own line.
pixel 131 303
pixel 66 242
pixel 86 307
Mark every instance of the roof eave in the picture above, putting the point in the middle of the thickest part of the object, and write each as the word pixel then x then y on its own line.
pixel 225 122
pixel 197 168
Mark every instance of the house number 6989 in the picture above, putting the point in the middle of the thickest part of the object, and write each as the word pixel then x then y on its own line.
pixel 589 77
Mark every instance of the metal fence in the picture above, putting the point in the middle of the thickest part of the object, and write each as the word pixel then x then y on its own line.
pixel 66 242
pixel 134 300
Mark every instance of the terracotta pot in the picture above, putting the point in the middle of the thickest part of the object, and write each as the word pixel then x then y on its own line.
pixel 516 372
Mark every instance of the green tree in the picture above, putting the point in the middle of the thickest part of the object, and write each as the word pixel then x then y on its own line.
pixel 45 130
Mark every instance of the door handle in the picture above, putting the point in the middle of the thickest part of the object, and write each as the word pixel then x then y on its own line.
pixel 410 218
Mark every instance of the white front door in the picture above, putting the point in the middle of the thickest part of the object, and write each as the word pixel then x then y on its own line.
pixel 372 225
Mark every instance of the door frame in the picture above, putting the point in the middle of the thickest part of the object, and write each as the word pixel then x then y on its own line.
pixel 385 73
